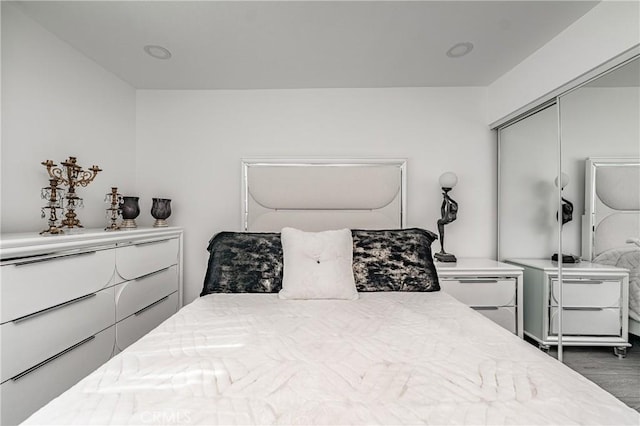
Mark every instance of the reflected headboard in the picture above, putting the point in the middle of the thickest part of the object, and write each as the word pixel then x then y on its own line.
pixel 612 204
pixel 315 195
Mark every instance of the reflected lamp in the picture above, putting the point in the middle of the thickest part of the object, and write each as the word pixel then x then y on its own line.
pixel 567 215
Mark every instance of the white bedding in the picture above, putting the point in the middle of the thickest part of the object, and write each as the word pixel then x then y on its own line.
pixel 627 257
pixel 387 358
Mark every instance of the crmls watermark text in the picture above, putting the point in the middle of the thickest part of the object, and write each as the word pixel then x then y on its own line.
pixel 177 417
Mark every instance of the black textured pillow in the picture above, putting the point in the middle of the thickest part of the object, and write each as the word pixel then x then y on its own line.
pixel 394 260
pixel 243 262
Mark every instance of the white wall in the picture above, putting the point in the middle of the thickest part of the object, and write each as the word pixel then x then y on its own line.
pixel 190 143
pixel 609 29
pixel 58 103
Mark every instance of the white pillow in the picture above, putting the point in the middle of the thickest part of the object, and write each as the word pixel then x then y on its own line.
pixel 317 265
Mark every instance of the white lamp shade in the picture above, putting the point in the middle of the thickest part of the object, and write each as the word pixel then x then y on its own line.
pixel 564 180
pixel 448 180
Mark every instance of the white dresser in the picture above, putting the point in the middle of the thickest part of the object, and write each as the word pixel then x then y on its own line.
pixel 595 304
pixel 69 303
pixel 492 288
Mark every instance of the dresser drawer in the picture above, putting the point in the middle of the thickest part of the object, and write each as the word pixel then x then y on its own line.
pixel 33 284
pixel 22 396
pixel 137 325
pixel 586 322
pixel 42 336
pixel 131 296
pixel 136 260
pixel 481 291
pixel 585 292
pixel 504 316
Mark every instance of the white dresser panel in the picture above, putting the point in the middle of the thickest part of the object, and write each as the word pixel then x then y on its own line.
pixel 504 316
pixel 23 395
pixel 42 336
pixel 59 297
pixel 481 291
pixel 140 323
pixel 595 302
pixel 587 322
pixel 32 284
pixel 492 288
pixel 587 293
pixel 138 259
pixel 131 296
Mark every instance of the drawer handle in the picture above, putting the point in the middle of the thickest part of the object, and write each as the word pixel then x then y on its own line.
pixel 582 281
pixel 572 308
pixel 47 259
pixel 485 308
pixel 51 308
pixel 48 360
pixel 146 243
pixel 151 273
pixel 141 311
pixel 477 281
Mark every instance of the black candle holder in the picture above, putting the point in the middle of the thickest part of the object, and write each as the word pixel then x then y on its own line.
pixel 130 210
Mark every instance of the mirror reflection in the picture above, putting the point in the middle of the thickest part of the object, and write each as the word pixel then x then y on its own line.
pixel 600 145
pixel 569 174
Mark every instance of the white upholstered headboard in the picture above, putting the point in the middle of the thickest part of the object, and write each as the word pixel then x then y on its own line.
pixel 612 204
pixel 317 195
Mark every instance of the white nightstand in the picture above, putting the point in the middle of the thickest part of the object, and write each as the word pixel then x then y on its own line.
pixel 492 288
pixel 595 300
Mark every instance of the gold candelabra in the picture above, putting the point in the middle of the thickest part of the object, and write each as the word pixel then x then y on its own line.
pixel 53 195
pixel 113 199
pixel 71 175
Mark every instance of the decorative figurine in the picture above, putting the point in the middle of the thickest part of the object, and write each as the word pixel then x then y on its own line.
pixel 160 210
pixel 71 175
pixel 449 212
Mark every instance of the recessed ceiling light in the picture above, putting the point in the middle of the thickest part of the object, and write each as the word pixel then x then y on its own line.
pixel 157 52
pixel 460 49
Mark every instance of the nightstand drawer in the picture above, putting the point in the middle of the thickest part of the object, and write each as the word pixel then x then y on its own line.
pixel 586 292
pixel 586 322
pixel 504 316
pixel 488 292
pixel 136 260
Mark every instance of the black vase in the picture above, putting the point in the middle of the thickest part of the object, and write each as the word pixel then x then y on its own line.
pixel 160 210
pixel 130 210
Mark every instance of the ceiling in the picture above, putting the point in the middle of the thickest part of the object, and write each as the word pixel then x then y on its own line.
pixel 306 44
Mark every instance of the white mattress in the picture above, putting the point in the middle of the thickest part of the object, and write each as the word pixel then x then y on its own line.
pixel 387 358
pixel 627 257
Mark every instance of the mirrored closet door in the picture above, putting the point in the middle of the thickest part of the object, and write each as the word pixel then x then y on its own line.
pixel 600 161
pixel 528 231
pixel 569 187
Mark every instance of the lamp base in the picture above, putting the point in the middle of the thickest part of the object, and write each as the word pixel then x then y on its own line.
pixel 566 258
pixel 445 257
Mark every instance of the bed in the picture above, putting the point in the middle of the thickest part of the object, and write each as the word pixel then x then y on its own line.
pixel 398 351
pixel 611 225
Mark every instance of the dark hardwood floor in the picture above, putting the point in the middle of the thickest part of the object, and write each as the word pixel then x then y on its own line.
pixel 620 377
